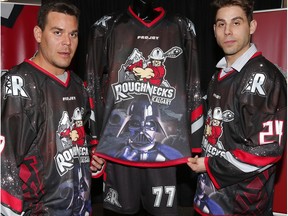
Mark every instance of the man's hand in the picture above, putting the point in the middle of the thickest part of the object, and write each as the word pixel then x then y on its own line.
pixel 197 164
pixel 97 166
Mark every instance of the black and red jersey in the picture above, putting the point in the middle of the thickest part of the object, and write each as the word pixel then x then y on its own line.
pixel 244 137
pixel 143 79
pixel 44 153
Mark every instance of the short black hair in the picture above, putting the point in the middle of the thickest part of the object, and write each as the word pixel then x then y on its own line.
pixel 61 6
pixel 246 5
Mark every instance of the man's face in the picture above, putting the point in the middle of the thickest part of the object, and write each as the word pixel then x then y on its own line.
pixel 232 31
pixel 57 42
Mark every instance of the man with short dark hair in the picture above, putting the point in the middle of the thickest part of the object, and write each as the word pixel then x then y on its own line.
pixel 245 131
pixel 44 107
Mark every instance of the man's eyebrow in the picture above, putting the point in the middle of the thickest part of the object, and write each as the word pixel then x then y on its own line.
pixel 56 28
pixel 61 29
pixel 234 18
pixel 219 20
pixel 238 17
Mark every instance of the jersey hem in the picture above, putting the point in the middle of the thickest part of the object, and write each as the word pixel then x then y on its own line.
pixel 145 164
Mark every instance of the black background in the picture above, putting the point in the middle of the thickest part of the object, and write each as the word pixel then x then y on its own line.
pixel 200 13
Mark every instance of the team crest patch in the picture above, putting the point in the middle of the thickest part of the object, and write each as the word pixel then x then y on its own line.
pixel 71 142
pixel 140 76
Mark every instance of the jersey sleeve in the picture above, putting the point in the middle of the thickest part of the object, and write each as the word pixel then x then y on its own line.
pixel 95 64
pixel 263 125
pixel 95 78
pixel 194 95
pixel 17 135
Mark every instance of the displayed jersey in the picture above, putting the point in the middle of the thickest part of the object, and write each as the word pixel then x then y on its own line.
pixel 44 152
pixel 244 137
pixel 143 80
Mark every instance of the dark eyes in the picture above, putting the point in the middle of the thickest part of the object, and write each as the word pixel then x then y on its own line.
pixel 72 35
pixel 223 24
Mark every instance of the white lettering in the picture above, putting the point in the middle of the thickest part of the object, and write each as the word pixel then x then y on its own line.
pixel 257 84
pixel 65 160
pixel 123 91
pixel 62 164
pixel 148 37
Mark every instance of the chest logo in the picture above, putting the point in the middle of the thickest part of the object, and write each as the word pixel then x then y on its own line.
pixel 214 131
pixel 140 76
pixel 71 142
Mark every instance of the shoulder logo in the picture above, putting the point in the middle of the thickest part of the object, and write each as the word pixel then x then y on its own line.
pixel 103 21
pixel 255 85
pixel 191 27
pixel 14 86
pixel 2 143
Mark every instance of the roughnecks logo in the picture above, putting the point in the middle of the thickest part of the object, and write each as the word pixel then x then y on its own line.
pixel 70 141
pixel 158 94
pixel 138 76
pixel 65 160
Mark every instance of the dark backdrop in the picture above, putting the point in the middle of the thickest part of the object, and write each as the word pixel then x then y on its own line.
pixel 200 13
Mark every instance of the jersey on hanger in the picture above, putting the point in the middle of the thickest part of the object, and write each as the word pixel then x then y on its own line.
pixel 143 80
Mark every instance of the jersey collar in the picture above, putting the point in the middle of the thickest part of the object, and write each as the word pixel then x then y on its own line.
pixel 241 61
pixel 159 17
pixel 50 74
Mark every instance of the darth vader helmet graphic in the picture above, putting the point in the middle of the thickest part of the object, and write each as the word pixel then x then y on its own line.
pixel 142 123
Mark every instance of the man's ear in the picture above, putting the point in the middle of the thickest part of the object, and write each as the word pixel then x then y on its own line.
pixel 37 33
pixel 253 26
